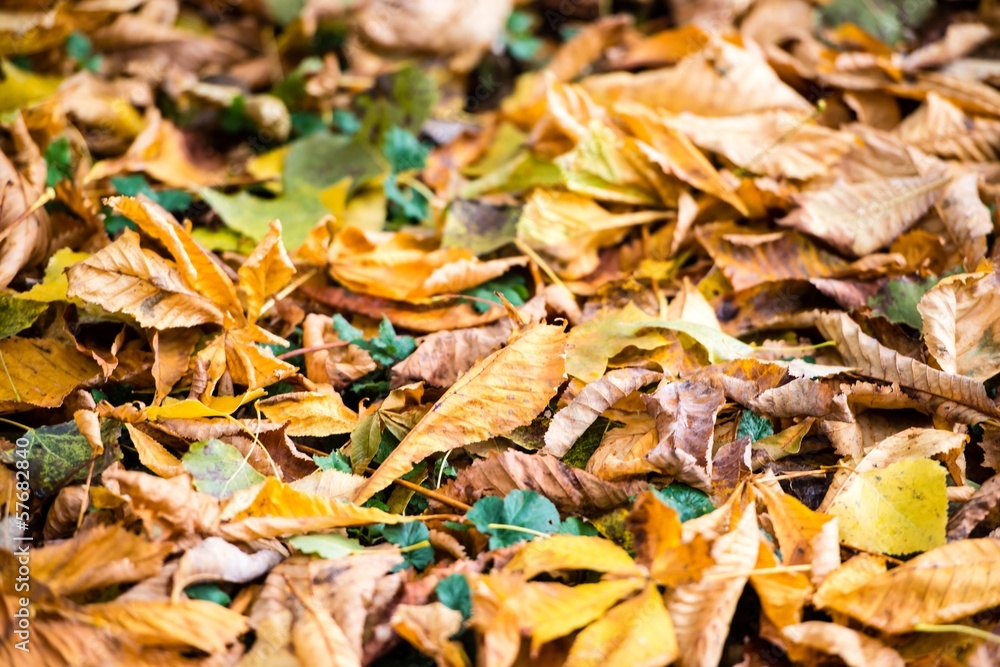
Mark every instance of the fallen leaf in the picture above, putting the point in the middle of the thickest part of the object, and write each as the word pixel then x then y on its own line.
pixel 851 646
pixel 214 559
pixel 310 413
pixel 960 321
pixel 531 365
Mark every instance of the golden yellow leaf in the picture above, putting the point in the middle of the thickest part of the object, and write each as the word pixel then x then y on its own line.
pixel 796 527
pixel 572 552
pixel 782 594
pixel 197 623
pixel 899 509
pixel 213 406
pixel 854 648
pixel 702 611
pixel 266 271
pixel 521 377
pixel 313 414
pixel 54 286
pixel 943 585
pixel 126 278
pixel 41 372
pixel 279 510
pixel 571 229
pixel 173 349
pixel 153 455
pixel 97 558
pixel 659 545
pixel 638 633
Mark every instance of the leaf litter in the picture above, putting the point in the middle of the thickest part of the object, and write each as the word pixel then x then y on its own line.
pixel 499 333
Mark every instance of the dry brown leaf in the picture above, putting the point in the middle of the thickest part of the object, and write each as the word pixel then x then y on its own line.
pixel 941 128
pixel 522 376
pixel 659 543
pixel 781 144
pixel 173 349
pixel 851 646
pixel 874 360
pixel 430 628
pixel 166 504
pixel 959 40
pixel 860 218
pixel 214 559
pixel 23 222
pixel 570 489
pixel 570 423
pixel 124 277
pixel 685 414
pixel 942 585
pixel 721 80
pixel 961 316
pixel 966 218
pixel 702 611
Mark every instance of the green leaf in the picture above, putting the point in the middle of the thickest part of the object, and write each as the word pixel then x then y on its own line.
pixel 576 526
pixel 328 545
pixel 285 11
pixel 523 509
pixel 58 161
pixel 897 300
pixel 59 454
pixel 335 461
pixel 886 20
pixel 313 164
pixel 346 122
pixel 403 150
pixel 219 469
pixel 209 593
pixel 407 535
pixel 365 441
pixel 80 49
pixel 689 503
pixel 453 592
pixel 18 314
pixel 755 426
pixel 386 349
pixel 305 123
pixel 405 206
pixel 510 285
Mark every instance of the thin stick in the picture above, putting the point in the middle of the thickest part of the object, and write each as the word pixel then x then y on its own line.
pixel 762 571
pixel 541 263
pixel 294 285
pixel 434 495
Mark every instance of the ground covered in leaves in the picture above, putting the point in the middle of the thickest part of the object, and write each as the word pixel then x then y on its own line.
pixel 564 332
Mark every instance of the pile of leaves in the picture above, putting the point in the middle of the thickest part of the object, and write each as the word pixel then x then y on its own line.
pixel 534 333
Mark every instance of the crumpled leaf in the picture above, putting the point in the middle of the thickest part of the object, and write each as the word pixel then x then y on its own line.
pixel 570 423
pixel 961 324
pixel 660 546
pixel 214 559
pixel 313 414
pixel 524 376
pixel 430 628
pixel 570 489
pixel 685 414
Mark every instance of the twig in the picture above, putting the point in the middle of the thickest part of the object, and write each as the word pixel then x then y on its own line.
pixel 434 495
pixel 309 350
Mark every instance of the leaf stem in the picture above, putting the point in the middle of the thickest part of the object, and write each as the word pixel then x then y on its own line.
pixel 433 495
pixel 516 529
pixel 14 423
pixel 782 569
pixel 960 629
pixel 308 350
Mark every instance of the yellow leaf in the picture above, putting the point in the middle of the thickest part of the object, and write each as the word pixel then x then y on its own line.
pixel 41 372
pixel 203 625
pixel 943 585
pixel 637 633
pixel 212 406
pixel 572 552
pixel 899 509
pixel 97 558
pixel 22 88
pixel 279 509
pixel 267 270
pixel 53 287
pixel 430 628
pixel 521 378
pixel 703 611
pixel 310 413
pixel 656 531
pixel 153 455
pixel 782 594
pixel 124 277
pixel 795 525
